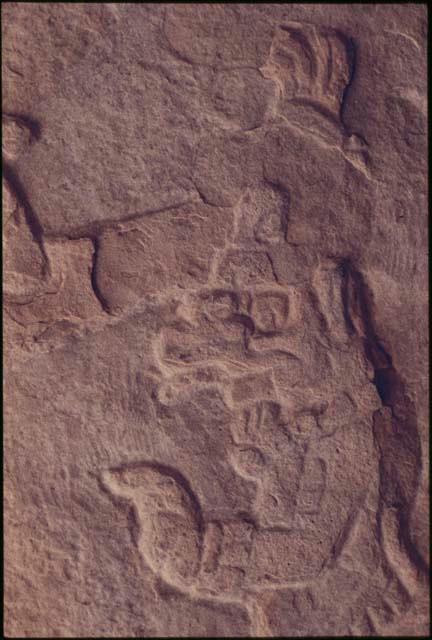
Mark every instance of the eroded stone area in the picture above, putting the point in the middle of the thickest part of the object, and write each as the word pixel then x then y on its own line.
pixel 215 291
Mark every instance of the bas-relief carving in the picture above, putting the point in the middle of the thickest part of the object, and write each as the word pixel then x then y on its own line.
pixel 294 538
pixel 237 347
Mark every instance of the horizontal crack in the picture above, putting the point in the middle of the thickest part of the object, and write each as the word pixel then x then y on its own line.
pixel 94 229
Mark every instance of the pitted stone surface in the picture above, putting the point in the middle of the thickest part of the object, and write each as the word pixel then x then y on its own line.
pixel 215 320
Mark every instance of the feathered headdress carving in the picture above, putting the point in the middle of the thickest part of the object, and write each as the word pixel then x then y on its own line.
pixel 311 66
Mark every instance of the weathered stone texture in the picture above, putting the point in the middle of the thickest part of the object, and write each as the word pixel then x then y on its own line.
pixel 215 319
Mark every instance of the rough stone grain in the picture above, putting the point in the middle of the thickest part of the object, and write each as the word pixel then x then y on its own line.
pixel 215 319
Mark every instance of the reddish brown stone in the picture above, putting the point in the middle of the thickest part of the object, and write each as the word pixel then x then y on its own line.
pixel 215 319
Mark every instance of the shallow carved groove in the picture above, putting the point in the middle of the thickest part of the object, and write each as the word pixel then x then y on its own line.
pixel 30 215
pixel 215 320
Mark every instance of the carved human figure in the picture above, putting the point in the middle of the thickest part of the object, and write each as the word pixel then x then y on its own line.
pixel 266 350
pixel 263 357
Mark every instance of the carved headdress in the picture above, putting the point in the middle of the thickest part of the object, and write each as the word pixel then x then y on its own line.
pixel 312 68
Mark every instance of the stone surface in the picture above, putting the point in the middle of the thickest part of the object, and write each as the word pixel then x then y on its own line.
pixel 215 319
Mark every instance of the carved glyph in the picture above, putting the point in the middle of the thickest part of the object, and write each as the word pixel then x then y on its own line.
pixel 262 363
